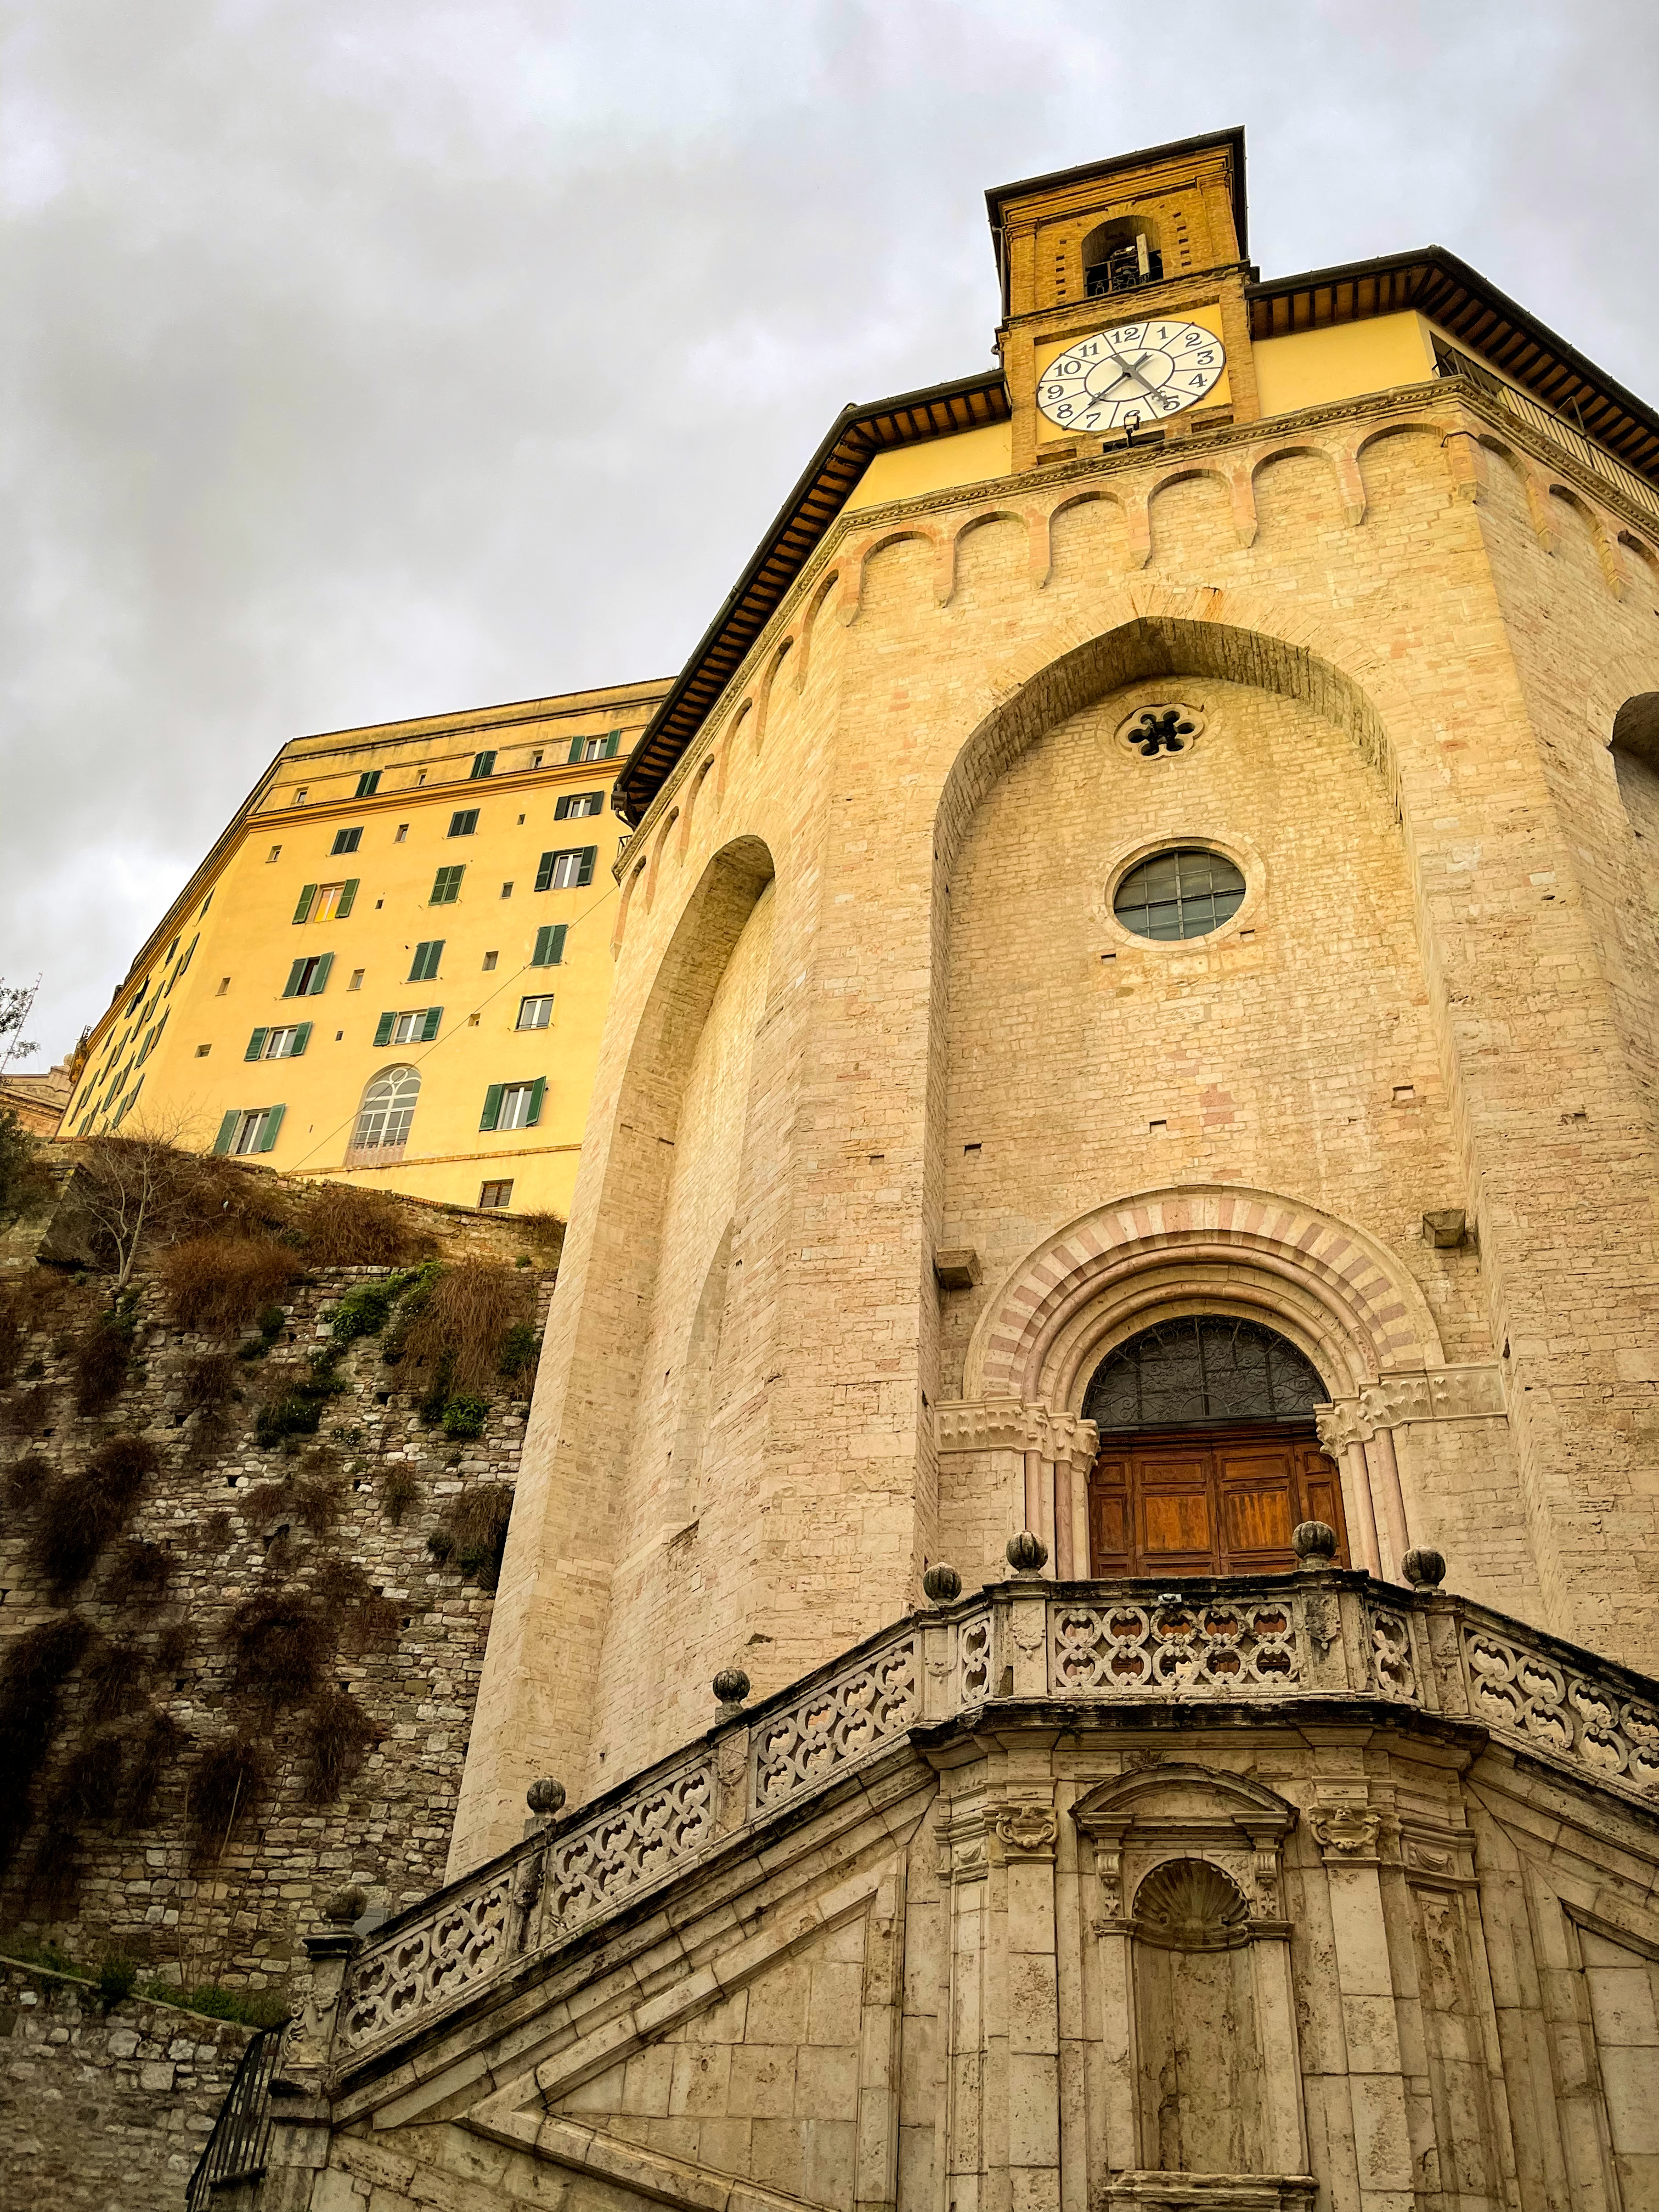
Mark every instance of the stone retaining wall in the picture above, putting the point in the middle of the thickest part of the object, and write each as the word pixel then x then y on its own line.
pixel 103 2112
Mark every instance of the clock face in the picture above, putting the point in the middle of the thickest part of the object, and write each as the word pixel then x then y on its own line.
pixel 1139 372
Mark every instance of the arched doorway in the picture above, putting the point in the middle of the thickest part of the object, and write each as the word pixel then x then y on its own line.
pixel 1208 1454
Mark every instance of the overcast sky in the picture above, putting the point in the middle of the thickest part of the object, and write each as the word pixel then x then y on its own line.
pixel 366 358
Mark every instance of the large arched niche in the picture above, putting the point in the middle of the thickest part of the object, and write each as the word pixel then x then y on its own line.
pixel 1150 646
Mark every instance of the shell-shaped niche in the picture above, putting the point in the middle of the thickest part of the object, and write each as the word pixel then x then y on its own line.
pixel 1191 1905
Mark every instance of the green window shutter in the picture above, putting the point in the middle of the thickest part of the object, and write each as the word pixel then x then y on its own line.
pixel 383 1029
pixel 227 1136
pixel 576 745
pixel 585 874
pixel 544 871
pixel 550 946
pixel 320 981
pixel 536 1089
pixel 302 912
pixel 256 1044
pixel 293 983
pixel 492 1112
pixel 347 895
pixel 302 1039
pixel 611 745
pixel 273 1122
pixel 430 1026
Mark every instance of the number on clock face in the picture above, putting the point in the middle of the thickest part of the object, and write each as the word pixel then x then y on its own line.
pixel 1139 372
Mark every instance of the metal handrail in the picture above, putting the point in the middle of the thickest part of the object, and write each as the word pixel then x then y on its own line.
pixel 240 2141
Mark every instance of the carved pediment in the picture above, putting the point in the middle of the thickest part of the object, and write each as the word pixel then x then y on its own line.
pixel 1184 1800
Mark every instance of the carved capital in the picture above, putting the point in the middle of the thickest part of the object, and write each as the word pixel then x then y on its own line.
pixel 1346 1832
pixel 1026 1830
pixel 1021 1425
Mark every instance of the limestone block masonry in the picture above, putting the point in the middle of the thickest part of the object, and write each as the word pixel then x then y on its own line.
pixel 875 892
pixel 103 2108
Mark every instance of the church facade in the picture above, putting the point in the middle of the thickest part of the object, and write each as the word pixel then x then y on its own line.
pixel 1110 1307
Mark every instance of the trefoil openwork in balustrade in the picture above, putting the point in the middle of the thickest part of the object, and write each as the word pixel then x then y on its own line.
pixel 848 1715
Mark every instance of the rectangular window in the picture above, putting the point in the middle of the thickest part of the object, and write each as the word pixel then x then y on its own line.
pixel 347 841
pixel 224 985
pixel 356 982
pixel 446 886
pixel 279 1044
pixel 550 946
pixel 418 1026
pixel 308 979
pixel 274 853
pixel 507 890
pixel 495 1194
pixel 249 1129
pixel 367 784
pixel 428 954
pixel 403 832
pixel 203 1050
pixel 577 805
pixel 490 958
pixel 463 824
pixel 513 1105
pixel 299 796
pixel 535 1013
pixel 535 760
pixel 570 870
pixel 595 749
pixel 482 764
pixel 329 902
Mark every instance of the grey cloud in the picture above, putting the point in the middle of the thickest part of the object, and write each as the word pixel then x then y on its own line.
pixel 365 360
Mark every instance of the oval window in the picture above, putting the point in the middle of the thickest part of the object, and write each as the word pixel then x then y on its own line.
pixel 1186 892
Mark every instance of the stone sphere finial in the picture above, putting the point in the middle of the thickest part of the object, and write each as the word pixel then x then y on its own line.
pixel 546 1798
pixel 731 1687
pixel 1314 1543
pixel 1027 1555
pixel 942 1583
pixel 1424 1569
pixel 346 1906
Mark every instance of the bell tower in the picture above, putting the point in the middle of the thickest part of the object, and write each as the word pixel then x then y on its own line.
pixel 1151 241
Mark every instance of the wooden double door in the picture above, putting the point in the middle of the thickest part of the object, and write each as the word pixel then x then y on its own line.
pixel 1210 1501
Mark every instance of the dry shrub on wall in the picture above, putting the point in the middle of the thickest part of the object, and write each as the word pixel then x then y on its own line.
pixel 103 1355
pixel 225 1788
pixel 474 1536
pixel 90 1787
pixel 141 1573
pixel 366 1621
pixel 208 1385
pixel 80 1514
pixel 114 1674
pixel 26 1413
pixel 31 1676
pixel 155 1748
pixel 282 1644
pixel 337 1736
pixel 217 1284
pixel 346 1227
pixel 143 1192
pixel 464 1320
pixel 25 1481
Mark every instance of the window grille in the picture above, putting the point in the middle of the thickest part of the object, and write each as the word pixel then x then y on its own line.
pixel 1187 892
pixel 1182 1373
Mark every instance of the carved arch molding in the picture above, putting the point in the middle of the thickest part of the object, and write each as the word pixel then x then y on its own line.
pixel 1335 1292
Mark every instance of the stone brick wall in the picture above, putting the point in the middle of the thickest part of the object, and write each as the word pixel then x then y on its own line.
pixel 1440 1008
pixel 341 1525
pixel 103 2111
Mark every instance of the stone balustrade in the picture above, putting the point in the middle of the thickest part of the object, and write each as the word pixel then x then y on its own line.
pixel 1323 1635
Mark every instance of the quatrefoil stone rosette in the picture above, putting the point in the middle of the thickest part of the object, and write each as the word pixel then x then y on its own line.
pixel 1160 729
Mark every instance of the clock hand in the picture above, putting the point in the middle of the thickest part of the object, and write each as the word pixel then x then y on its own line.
pixel 1132 370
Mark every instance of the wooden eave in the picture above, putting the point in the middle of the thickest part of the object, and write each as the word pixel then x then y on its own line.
pixel 1446 291
pixel 855 437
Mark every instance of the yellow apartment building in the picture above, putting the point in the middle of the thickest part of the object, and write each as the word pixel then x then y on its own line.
pixel 393 966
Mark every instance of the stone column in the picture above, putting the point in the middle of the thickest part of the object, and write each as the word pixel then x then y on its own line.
pixel 1347 1830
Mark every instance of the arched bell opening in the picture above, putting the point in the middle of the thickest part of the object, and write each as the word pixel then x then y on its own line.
pixel 1209 1455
